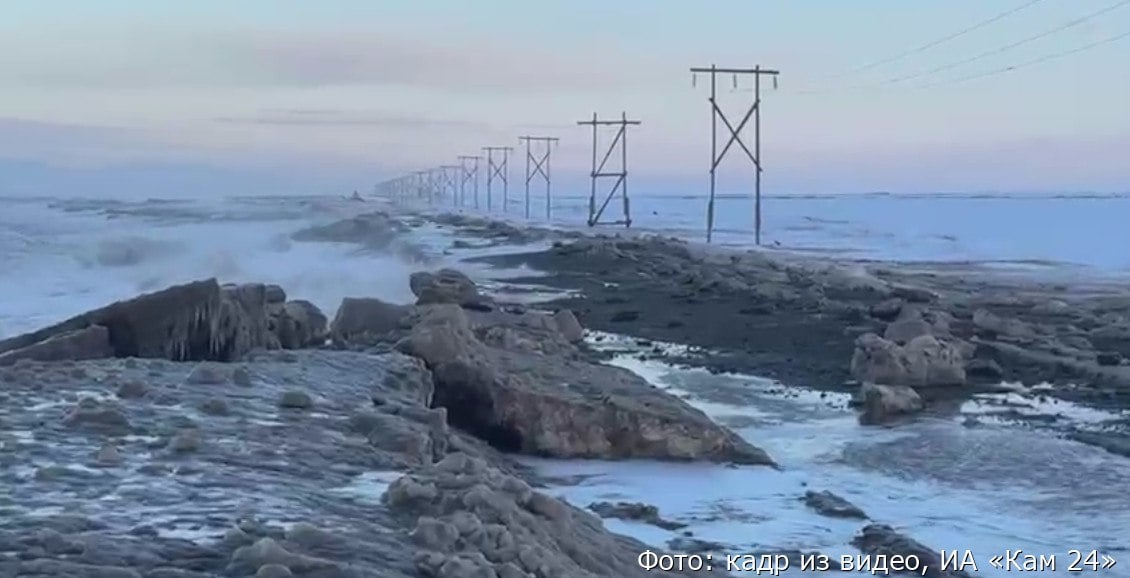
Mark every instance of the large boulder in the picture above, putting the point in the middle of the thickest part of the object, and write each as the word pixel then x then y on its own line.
pixel 445 286
pixel 907 326
pixel 373 230
pixel 925 361
pixel 88 343
pixel 882 540
pixel 298 324
pixel 191 322
pixel 560 405
pixel 883 403
pixel 364 318
pixel 246 317
pixel 469 519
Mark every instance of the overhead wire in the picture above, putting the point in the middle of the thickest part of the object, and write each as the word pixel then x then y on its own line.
pixel 946 38
pixel 1007 47
pixel 1032 62
pixel 1070 24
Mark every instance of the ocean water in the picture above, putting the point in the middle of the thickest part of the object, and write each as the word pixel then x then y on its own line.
pixel 986 488
pixel 1041 232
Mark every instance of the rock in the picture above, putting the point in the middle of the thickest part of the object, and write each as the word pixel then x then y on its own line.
pixel 887 310
pixel 480 523
pixel 880 539
pixel 695 545
pixel 635 511
pixel 247 316
pixel 132 390
pixel 444 286
pixel 273 294
pixel 828 504
pixel 1053 307
pixel 299 324
pixel 108 456
pixel 267 551
pixel 433 534
pixel 881 403
pixel 1108 358
pixel 186 441
pixel 984 369
pixel 91 415
pixel 372 230
pixel 923 362
pixel 273 571
pixel 903 331
pixel 993 326
pixel 914 294
pixel 241 377
pixel 393 434
pixel 296 399
pixel 88 343
pixel 208 374
pixel 214 406
pixel 624 316
pixel 191 322
pixel 358 317
pixel 1113 442
pixel 569 327
pixel 555 405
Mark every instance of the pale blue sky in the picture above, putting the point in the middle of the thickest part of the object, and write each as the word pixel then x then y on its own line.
pixel 349 91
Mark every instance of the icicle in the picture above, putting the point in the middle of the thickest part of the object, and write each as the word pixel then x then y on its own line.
pixel 774 82
pixel 735 82
pixel 694 80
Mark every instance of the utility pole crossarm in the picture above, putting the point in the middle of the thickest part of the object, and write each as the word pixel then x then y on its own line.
pixel 737 70
pixel 608 122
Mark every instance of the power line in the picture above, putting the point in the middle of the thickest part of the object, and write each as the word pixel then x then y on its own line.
pixel 944 39
pixel 1033 62
pixel 1006 48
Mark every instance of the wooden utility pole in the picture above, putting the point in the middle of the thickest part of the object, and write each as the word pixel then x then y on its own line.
pixel 735 136
pixel 450 183
pixel 538 165
pixel 499 170
pixel 598 172
pixel 469 174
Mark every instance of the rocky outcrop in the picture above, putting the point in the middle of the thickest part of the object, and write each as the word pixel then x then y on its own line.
pixel 470 520
pixel 880 539
pixel 88 343
pixel 201 320
pixel 298 324
pixel 925 361
pixel 635 512
pixel 885 403
pixel 828 504
pixel 374 230
pixel 528 399
pixel 447 286
pixel 568 325
pixel 361 319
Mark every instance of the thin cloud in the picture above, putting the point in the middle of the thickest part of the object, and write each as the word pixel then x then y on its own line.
pixel 343 118
pixel 308 59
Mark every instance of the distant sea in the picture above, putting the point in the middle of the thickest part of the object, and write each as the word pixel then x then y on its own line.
pixel 1091 231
